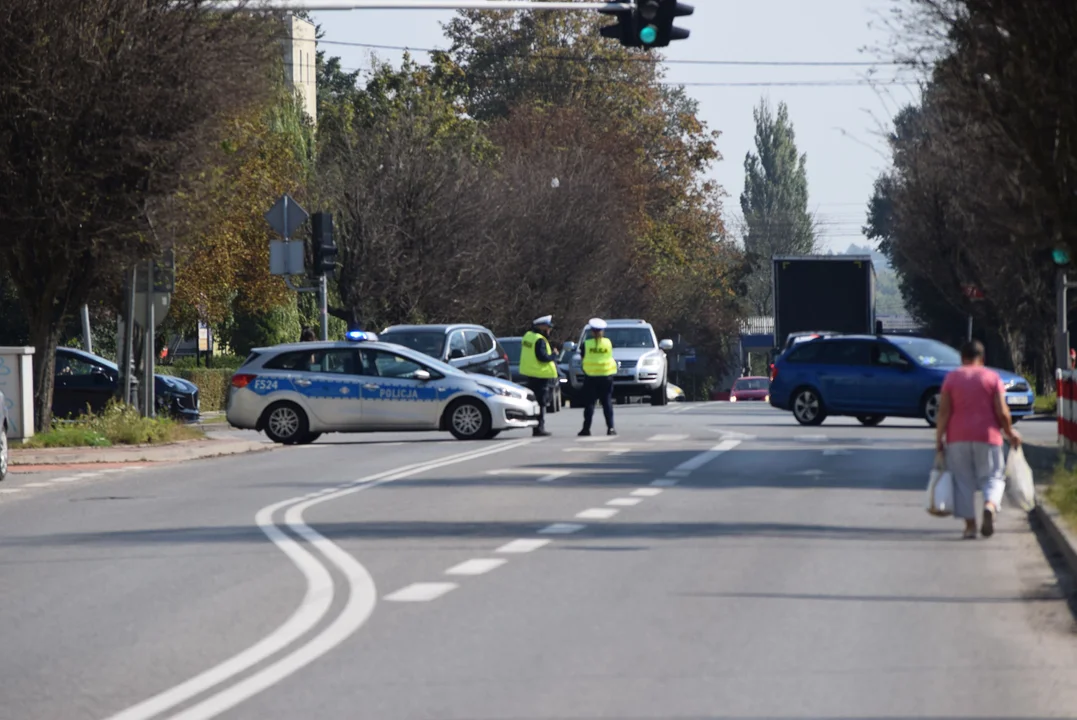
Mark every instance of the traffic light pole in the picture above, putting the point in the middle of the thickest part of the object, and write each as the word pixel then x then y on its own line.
pixel 323 299
pixel 1062 337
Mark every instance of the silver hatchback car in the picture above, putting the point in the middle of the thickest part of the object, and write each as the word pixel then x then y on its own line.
pixel 296 392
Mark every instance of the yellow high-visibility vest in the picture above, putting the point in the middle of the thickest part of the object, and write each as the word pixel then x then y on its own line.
pixel 530 366
pixel 598 358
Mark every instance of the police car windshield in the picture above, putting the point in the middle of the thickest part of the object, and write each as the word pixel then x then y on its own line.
pixel 630 337
pixel 428 342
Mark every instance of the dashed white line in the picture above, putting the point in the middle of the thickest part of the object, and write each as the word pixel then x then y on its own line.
pixel 597 514
pixel 836 452
pixel 522 546
pixel 561 529
pixel 703 458
pixel 89 475
pixel 605 449
pixel 66 479
pixel 36 485
pixel 668 438
pixel 664 482
pixel 811 438
pixel 421 592
pixel 545 475
pixel 646 492
pixel 478 566
pixel 624 502
pixel 811 473
pixel 8 491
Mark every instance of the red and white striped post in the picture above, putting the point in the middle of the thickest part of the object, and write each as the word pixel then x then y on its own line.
pixel 1067 409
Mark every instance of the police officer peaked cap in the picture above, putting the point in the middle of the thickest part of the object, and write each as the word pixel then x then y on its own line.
pixel 544 320
pixel 596 324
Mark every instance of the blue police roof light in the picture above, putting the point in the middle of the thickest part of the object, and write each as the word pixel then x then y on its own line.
pixel 356 336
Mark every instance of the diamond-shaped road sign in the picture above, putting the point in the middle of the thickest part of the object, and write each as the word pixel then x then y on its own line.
pixel 286 216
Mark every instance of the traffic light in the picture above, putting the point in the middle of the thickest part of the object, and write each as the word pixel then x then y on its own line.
pixel 648 24
pixel 668 12
pixel 625 29
pixel 1058 256
pixel 323 245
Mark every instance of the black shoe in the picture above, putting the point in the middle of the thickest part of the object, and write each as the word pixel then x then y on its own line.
pixel 988 528
pixel 611 431
pixel 584 433
pixel 541 433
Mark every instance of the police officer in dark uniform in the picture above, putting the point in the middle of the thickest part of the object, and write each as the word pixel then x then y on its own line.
pixel 539 365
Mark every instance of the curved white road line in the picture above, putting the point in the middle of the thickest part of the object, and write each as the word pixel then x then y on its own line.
pixel 315 605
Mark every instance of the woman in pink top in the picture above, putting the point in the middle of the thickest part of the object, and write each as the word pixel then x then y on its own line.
pixel 973 418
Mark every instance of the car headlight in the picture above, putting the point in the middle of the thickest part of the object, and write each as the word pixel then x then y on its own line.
pixel 503 391
pixel 651 361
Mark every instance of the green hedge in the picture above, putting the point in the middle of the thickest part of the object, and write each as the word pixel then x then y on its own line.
pixel 213 384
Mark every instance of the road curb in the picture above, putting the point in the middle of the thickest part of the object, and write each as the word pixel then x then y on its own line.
pixel 1063 539
pixel 174 452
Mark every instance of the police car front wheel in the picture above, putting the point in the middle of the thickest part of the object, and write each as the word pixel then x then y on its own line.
pixel 469 420
pixel 286 423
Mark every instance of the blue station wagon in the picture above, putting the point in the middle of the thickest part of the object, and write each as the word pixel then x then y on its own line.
pixel 871 378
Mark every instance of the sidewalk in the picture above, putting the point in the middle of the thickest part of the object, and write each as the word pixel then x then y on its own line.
pixel 215 445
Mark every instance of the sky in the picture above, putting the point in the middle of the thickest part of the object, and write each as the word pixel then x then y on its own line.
pixel 840 118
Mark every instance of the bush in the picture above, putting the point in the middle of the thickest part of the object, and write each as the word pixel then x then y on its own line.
pixel 212 383
pixel 221 362
pixel 119 424
pixel 1063 494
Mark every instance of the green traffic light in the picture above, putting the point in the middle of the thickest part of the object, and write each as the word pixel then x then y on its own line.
pixel 648 34
pixel 1061 256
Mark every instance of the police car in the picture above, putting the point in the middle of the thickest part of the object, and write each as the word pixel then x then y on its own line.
pixel 296 392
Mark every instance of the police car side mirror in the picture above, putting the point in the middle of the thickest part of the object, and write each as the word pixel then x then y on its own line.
pixel 421 375
pixel 666 345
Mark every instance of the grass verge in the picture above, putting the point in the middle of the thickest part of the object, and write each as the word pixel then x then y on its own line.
pixel 1062 493
pixel 118 425
pixel 1046 404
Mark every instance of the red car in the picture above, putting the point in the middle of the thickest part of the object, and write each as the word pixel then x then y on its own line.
pixel 750 388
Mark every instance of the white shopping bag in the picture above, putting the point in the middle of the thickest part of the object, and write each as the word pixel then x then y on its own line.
pixel 1019 482
pixel 940 489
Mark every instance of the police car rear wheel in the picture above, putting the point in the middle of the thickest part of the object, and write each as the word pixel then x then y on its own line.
pixel 469 420
pixel 286 423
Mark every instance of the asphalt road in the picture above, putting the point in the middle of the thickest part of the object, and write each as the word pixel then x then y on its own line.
pixel 713 561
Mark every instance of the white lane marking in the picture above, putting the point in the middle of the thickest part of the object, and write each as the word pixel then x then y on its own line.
pixel 478 566
pixel 703 458
pixel 522 546
pixel 646 492
pixel 421 592
pixel 607 449
pixel 36 485
pixel 733 435
pixel 66 479
pixel 597 514
pixel 811 473
pixel 546 475
pixel 8 491
pixel 668 438
pixel 624 502
pixel 680 409
pixel 836 452
pixel 89 474
pixel 561 529
pixel 316 603
pixel 811 438
pixel 664 482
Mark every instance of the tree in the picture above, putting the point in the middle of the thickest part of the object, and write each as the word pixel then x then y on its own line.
pixel 774 201
pixel 105 108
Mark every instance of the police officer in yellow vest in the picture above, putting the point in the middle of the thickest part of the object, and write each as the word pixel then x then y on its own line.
pixel 539 366
pixel 599 367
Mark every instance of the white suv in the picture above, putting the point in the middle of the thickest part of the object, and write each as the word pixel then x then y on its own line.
pixel 642 366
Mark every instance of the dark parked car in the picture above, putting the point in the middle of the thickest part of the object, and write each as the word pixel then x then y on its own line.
pixel 872 377
pixel 85 380
pixel 512 347
pixel 471 348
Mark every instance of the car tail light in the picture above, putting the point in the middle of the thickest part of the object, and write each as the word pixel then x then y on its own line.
pixel 241 380
pixel 773 372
